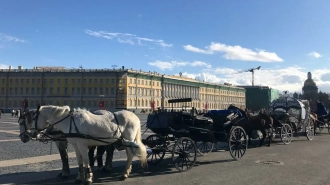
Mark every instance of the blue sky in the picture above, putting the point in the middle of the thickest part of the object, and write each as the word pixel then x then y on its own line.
pixel 207 40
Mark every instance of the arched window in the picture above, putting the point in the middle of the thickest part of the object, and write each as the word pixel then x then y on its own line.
pixel 142 102
pixel 130 101
pixel 138 102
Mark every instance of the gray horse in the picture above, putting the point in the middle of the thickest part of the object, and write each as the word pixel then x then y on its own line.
pixel 25 122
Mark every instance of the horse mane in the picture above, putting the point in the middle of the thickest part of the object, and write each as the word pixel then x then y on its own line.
pixel 56 111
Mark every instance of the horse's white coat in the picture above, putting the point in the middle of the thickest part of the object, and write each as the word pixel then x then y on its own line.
pixel 104 126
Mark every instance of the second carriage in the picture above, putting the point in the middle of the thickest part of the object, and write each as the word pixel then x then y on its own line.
pixel 291 117
pixel 183 134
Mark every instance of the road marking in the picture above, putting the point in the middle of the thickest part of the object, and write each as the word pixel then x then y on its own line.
pixel 11 132
pixel 33 160
pixel 8 140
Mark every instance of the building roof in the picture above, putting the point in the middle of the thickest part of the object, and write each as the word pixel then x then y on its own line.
pixel 309 83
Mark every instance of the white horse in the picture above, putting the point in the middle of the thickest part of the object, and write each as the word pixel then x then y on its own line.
pixel 102 130
pixel 25 123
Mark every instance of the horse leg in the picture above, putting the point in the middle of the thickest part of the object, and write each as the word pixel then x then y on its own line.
pixel 263 131
pixel 108 162
pixel 128 164
pixel 83 149
pixel 80 176
pixel 91 156
pixel 63 150
pixel 99 153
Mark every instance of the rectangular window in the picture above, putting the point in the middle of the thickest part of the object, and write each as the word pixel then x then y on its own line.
pixel 2 90
pixel 90 81
pixel 65 81
pixel 106 91
pixel 90 91
pixel 58 82
pixel 72 90
pixel 3 81
pixel 112 91
pixel 65 91
pixel 51 81
pixel 65 102
pixel 101 90
pixel 58 91
pixel 16 81
pixel 107 81
pixel 45 90
pixel 78 90
pixel 95 91
pixel 38 81
pixel 85 81
pixel 95 104
pixel 84 90
pixel 27 81
pixel 78 81
pixel 27 91
pixel 51 91
pixel 11 81
pixel 10 90
pixel 112 81
pixel 16 91
pixel 95 81
pixel 38 90
pixel 22 81
pixel 101 81
pixel 72 103
pixel 73 81
pixel 78 103
pixel 32 90
pixel 112 103
pixel 33 81
pixel 50 102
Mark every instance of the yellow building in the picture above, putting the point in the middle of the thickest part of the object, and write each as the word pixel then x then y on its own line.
pixel 119 88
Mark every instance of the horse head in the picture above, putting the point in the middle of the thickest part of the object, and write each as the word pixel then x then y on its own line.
pixel 25 123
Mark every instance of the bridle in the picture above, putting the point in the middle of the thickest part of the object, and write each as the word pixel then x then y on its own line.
pixel 23 117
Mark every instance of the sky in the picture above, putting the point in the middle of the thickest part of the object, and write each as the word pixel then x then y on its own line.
pixel 214 41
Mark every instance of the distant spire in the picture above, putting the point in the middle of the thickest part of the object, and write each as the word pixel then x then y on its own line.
pixel 309 75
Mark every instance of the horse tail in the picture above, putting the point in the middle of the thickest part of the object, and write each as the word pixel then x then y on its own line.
pixel 142 148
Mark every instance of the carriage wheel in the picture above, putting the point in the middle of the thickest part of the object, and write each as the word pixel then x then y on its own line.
pixel 184 154
pixel 204 148
pixel 238 142
pixel 286 134
pixel 157 153
pixel 309 129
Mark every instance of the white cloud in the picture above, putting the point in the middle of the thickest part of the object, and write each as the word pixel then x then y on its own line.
pixel 169 65
pixel 8 38
pixel 289 78
pixel 127 38
pixel 314 54
pixel 236 52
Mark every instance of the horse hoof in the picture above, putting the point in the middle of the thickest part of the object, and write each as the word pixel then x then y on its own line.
pixel 88 183
pixel 122 178
pixel 77 181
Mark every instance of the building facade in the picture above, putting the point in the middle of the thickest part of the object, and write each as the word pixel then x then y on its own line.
pixel 118 88
pixel 259 97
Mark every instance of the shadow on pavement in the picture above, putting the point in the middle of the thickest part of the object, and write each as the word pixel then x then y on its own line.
pixel 165 167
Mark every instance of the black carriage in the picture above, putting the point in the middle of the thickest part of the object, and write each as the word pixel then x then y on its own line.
pixel 291 115
pixel 185 133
